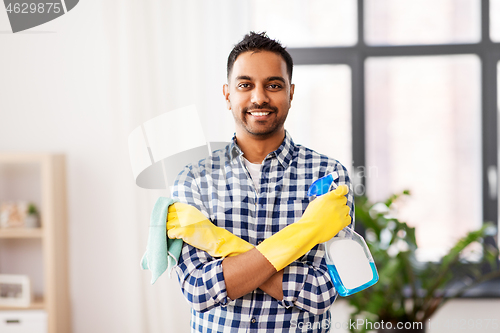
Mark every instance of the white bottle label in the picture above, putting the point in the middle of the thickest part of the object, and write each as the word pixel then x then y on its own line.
pixel 351 263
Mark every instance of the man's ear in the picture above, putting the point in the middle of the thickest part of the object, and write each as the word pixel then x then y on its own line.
pixel 225 91
pixel 292 90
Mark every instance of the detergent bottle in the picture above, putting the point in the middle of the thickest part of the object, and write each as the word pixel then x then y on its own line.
pixel 348 258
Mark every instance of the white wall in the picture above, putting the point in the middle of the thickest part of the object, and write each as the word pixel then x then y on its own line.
pixel 57 94
pixel 78 85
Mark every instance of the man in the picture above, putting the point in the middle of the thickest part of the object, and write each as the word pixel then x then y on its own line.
pixel 273 275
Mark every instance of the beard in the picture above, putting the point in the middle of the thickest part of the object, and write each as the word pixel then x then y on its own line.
pixel 264 128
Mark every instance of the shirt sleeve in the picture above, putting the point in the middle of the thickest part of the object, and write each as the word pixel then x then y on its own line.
pixel 199 274
pixel 307 284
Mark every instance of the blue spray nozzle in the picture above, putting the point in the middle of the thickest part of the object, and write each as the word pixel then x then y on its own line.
pixel 322 185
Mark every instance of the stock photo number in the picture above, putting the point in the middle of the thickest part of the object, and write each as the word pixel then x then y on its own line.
pixel 464 324
pixel 41 7
pixel 26 14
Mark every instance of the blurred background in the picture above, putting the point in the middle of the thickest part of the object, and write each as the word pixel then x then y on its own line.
pixel 403 93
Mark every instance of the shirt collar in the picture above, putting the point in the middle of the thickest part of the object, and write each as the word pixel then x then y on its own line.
pixel 283 154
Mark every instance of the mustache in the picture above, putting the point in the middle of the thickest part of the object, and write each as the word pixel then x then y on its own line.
pixel 256 107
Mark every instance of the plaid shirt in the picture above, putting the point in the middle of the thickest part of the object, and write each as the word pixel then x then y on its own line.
pixel 222 189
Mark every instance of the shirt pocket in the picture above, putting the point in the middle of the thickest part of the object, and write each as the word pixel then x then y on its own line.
pixel 236 218
pixel 288 212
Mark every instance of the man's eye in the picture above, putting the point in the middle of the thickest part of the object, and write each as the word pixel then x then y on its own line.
pixel 274 86
pixel 244 85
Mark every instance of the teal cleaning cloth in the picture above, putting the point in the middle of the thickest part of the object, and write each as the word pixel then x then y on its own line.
pixel 161 253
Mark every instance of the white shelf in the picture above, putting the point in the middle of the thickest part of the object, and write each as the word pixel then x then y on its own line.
pixel 41 253
pixel 37 304
pixel 21 233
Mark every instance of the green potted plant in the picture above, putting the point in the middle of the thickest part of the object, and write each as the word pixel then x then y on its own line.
pixel 32 219
pixel 410 291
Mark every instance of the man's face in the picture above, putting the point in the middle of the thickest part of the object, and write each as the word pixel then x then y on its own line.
pixel 259 94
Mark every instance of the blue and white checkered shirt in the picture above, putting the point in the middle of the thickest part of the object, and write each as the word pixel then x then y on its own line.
pixel 222 189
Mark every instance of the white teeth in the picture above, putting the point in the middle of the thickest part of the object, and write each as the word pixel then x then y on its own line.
pixel 259 113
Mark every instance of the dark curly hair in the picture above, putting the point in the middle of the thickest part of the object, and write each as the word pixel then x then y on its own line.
pixel 259 42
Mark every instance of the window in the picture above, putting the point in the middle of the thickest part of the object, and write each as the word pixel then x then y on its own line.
pixel 423 96
pixel 422 22
pixel 315 22
pixel 320 116
pixel 423 133
pixel 495 20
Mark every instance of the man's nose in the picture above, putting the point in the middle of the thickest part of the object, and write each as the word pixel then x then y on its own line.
pixel 259 95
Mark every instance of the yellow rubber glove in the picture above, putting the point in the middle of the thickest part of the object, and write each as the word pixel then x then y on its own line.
pixel 187 222
pixel 323 218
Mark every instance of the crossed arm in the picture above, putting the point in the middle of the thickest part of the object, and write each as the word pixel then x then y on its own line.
pixel 246 268
pixel 251 270
pixel 207 282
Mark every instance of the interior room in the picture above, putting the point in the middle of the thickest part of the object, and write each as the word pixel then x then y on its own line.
pixel 403 93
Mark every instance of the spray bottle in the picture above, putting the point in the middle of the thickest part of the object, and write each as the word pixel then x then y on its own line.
pixel 348 258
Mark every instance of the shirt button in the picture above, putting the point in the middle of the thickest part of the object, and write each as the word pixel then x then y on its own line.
pixel 254 320
pixel 258 243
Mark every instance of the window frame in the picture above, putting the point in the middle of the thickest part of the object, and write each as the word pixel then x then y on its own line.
pixel 355 57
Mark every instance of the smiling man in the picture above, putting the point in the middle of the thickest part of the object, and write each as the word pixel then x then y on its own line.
pixel 259 93
pixel 272 275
